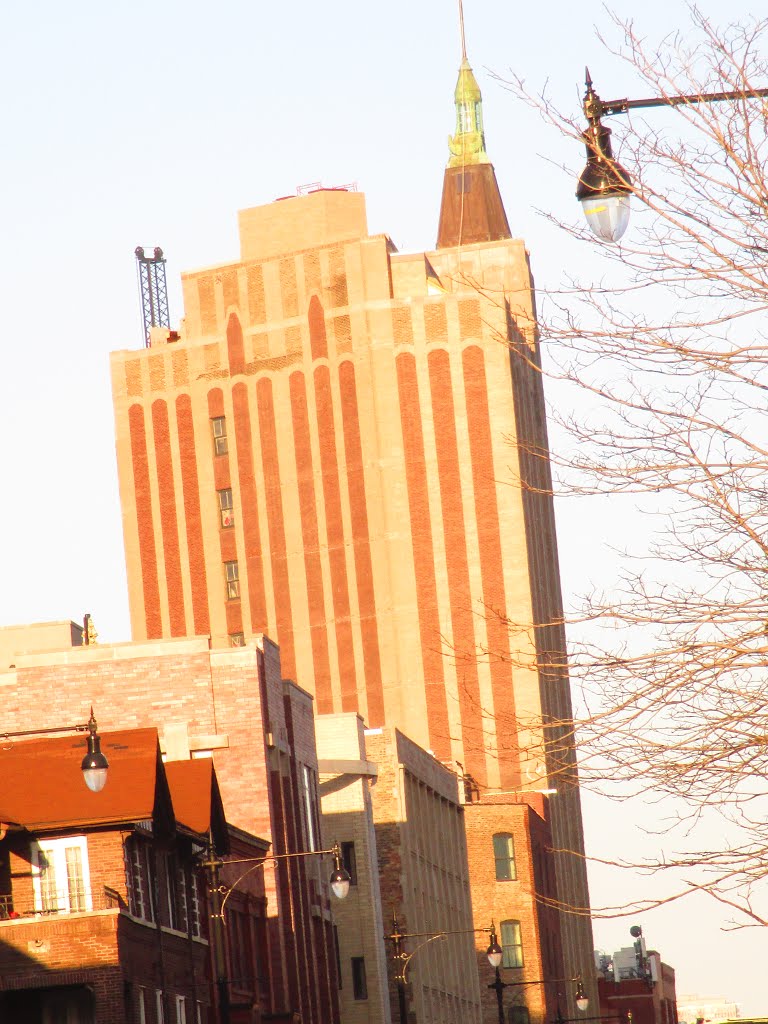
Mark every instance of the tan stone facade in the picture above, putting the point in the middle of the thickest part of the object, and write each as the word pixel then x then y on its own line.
pixel 419 822
pixel 348 783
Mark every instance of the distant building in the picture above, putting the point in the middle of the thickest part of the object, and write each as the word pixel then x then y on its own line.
pixel 692 1007
pixel 634 980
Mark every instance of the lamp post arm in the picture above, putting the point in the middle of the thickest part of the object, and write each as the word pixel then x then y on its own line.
pixel 406 958
pixel 602 108
pixel 82 727
pixel 227 890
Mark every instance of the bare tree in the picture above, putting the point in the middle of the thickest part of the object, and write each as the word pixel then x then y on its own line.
pixel 667 356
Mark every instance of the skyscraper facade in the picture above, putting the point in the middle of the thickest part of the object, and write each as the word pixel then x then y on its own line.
pixel 345 447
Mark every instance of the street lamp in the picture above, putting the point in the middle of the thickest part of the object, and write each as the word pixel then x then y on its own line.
pixel 94 764
pixel 396 937
pixel 339 881
pixel 604 186
pixel 495 956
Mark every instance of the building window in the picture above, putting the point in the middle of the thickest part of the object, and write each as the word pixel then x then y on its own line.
pixel 310 808
pixel 359 984
pixel 511 944
pixel 138 870
pixel 142 1009
pixel 518 1015
pixel 232 573
pixel 219 432
pixel 237 639
pixel 194 907
pixel 181 1010
pixel 349 860
pixel 504 855
pixel 160 1006
pixel 338 954
pixel 60 875
pixel 225 507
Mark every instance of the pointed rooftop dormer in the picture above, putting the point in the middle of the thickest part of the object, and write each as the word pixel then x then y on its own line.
pixel 471 209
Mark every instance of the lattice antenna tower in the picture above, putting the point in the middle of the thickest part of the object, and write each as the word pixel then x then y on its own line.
pixel 153 289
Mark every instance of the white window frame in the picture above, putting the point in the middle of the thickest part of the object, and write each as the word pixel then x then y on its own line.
pixel 159 1006
pixel 142 1007
pixel 54 851
pixel 181 1010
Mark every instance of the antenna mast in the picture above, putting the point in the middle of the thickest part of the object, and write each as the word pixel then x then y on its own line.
pixel 154 291
pixel 461 26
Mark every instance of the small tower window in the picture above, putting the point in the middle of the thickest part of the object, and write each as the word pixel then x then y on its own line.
pixel 511 944
pixel 225 507
pixel 504 856
pixel 232 574
pixel 219 432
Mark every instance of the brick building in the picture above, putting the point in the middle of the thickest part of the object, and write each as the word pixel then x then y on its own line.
pixel 234 706
pixel 346 447
pixel 513 884
pixel 102 907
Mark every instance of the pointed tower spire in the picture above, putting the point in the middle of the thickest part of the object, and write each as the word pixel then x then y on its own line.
pixel 471 210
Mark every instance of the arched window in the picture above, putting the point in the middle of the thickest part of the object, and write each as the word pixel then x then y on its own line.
pixel 511 944
pixel 504 855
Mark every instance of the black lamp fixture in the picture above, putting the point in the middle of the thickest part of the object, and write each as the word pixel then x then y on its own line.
pixel 94 764
pixel 604 186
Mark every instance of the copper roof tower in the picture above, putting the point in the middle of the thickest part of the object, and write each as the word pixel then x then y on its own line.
pixel 472 209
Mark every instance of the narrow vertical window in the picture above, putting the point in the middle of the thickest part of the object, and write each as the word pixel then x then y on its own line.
pixel 511 944
pixel 219 433
pixel 181 1010
pixel 160 1006
pixel 349 860
pixel 232 574
pixel 225 507
pixel 359 983
pixel 504 856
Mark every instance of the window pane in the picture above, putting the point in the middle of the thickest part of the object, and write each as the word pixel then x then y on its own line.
pixel 75 882
pixel 48 893
pixel 359 983
pixel 504 856
pixel 511 944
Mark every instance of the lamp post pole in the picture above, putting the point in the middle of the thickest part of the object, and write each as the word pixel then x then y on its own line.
pixel 219 893
pixel 396 937
pixel 499 986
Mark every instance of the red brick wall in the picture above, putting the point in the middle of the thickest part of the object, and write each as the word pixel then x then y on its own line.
pixel 238 694
pixel 497 901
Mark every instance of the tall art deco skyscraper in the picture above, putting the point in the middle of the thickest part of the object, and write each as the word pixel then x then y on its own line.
pixel 345 447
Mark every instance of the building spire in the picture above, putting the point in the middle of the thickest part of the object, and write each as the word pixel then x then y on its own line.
pixel 472 209
pixel 467 146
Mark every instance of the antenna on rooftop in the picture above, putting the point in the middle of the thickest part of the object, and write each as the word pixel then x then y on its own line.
pixel 153 289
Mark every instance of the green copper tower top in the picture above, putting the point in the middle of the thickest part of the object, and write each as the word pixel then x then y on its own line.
pixel 467 146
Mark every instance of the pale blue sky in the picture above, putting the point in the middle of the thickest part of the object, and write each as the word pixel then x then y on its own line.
pixel 153 123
